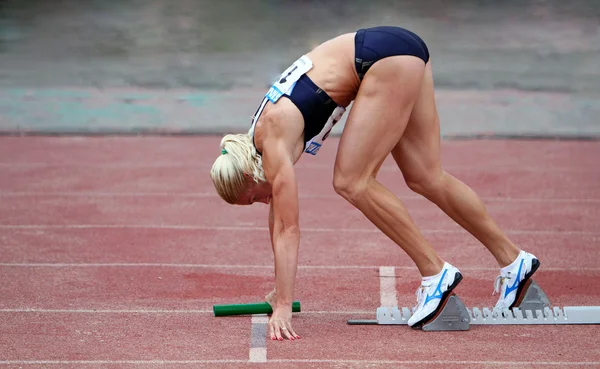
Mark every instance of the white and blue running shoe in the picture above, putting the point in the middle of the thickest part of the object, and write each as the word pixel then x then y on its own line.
pixel 513 279
pixel 433 294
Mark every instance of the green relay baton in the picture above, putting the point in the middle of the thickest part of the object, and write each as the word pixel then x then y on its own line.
pixel 252 308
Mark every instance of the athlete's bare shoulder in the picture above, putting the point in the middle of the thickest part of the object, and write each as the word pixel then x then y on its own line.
pixel 283 120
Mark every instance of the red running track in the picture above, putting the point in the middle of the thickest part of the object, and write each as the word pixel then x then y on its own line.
pixel 114 249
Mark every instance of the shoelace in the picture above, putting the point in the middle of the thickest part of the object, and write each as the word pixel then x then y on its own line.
pixel 499 282
pixel 420 296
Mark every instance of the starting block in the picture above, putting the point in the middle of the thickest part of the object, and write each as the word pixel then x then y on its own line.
pixel 533 308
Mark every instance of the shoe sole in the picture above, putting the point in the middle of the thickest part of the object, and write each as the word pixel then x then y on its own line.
pixel 444 300
pixel 535 264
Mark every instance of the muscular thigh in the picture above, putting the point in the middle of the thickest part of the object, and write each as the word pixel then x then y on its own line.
pixel 379 115
pixel 418 151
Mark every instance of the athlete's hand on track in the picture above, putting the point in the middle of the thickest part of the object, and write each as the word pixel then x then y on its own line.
pixel 280 324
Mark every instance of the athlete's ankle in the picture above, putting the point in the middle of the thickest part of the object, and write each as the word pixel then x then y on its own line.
pixel 507 255
pixel 432 267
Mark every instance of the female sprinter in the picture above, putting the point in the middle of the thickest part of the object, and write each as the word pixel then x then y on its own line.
pixel 386 71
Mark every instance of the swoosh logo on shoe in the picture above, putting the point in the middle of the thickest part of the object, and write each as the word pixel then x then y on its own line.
pixel 437 293
pixel 509 289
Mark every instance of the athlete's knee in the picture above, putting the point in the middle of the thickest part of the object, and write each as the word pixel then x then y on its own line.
pixel 428 183
pixel 350 187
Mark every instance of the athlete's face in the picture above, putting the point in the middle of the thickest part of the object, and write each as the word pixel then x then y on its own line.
pixel 255 192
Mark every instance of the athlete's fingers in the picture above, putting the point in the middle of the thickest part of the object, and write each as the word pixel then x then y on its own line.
pixel 286 333
pixel 292 332
pixel 276 331
pixel 272 331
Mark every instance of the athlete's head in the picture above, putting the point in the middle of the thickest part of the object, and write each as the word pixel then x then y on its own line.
pixel 238 174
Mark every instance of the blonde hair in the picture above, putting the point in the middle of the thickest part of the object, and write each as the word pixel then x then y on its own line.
pixel 238 157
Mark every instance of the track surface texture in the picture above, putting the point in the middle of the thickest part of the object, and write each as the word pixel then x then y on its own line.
pixel 113 251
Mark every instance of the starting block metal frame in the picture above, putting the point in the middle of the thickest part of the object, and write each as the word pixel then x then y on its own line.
pixel 534 308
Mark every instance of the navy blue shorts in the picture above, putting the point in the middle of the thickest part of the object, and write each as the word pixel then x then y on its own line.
pixel 373 44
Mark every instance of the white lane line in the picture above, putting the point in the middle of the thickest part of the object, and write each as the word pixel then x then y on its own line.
pixel 117 362
pixel 242 266
pixel 94 194
pixel 105 311
pixel 263 229
pixel 127 265
pixel 258 339
pixel 300 361
pixel 444 362
pixel 155 311
pixel 107 194
pixel 387 286
pixel 195 167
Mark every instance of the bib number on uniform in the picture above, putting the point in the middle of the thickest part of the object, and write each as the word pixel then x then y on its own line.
pixel 287 79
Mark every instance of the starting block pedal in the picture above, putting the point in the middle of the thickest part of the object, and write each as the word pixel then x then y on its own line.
pixel 533 308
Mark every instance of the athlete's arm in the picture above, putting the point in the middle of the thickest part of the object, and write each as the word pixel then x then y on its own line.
pixel 283 131
pixel 271 296
pixel 285 235
pixel 271 224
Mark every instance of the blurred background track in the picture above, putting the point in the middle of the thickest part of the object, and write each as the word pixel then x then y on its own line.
pixel 197 66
